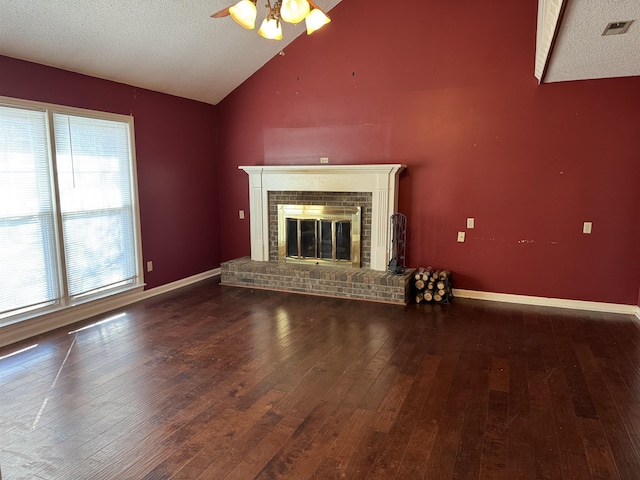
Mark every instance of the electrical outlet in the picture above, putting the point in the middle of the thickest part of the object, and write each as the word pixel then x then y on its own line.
pixel 586 227
pixel 461 237
pixel 324 159
pixel 149 266
pixel 241 214
pixel 471 223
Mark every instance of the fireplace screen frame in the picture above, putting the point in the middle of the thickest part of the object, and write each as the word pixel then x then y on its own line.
pixel 334 214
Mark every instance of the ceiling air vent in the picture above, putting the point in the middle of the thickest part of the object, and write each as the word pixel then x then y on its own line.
pixel 617 28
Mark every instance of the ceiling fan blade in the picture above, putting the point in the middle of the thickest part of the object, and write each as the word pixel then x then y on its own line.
pixel 222 13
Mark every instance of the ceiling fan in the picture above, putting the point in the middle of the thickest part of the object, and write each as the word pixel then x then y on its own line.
pixel 291 11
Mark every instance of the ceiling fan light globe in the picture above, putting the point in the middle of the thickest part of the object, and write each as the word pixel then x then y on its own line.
pixel 244 13
pixel 271 29
pixel 316 20
pixel 294 11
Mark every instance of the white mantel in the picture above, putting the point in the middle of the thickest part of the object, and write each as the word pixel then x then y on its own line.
pixel 380 180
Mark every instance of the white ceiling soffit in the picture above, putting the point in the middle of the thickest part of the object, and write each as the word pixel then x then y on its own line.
pixel 171 46
pixel 580 51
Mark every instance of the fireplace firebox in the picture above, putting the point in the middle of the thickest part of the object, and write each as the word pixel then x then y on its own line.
pixel 319 234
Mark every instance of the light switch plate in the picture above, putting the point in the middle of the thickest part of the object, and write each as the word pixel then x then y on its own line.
pixel 461 236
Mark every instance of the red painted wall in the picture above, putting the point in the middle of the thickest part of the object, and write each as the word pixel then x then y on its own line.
pixel 450 92
pixel 175 154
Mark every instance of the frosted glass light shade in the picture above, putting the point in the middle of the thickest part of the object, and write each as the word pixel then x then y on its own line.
pixel 316 20
pixel 294 11
pixel 271 29
pixel 244 13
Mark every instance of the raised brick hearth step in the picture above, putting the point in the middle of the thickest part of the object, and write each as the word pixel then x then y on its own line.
pixel 362 283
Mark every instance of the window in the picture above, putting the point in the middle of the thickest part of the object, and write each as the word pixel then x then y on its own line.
pixel 68 208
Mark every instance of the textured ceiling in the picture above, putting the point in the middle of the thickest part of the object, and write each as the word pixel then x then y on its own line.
pixel 581 51
pixel 173 46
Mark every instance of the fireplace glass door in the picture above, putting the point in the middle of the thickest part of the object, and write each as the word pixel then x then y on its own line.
pixel 319 234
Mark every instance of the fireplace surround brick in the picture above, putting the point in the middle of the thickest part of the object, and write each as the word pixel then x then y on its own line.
pixel 338 199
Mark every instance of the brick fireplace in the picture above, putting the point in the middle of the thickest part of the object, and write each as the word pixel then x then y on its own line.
pixel 329 199
pixel 374 188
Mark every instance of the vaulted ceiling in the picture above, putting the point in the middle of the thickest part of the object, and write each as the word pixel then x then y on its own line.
pixel 173 46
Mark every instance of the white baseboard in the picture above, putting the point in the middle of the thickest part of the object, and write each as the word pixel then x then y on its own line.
pixel 179 284
pixel 30 328
pixel 549 302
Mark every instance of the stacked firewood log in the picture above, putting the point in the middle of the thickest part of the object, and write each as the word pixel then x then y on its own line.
pixel 432 285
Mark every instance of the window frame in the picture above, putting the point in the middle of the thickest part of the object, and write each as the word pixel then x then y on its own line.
pixel 67 301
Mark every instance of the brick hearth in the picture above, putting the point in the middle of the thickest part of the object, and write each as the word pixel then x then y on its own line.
pixel 361 283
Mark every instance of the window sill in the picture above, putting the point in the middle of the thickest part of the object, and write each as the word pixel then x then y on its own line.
pixel 35 323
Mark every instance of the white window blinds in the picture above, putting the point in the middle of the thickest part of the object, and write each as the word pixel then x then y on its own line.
pixel 68 212
pixel 28 259
pixel 93 165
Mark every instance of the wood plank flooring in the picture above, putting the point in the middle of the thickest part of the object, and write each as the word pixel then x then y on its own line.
pixel 217 382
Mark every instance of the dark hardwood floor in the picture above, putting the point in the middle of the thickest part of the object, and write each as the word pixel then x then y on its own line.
pixel 225 383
